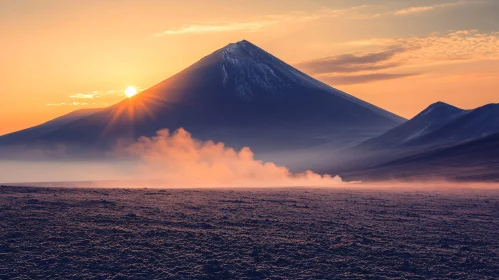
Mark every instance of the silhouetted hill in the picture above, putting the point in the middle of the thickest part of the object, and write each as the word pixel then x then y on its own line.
pixel 476 160
pixel 439 125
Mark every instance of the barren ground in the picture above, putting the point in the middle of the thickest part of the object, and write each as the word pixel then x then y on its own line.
pixel 66 233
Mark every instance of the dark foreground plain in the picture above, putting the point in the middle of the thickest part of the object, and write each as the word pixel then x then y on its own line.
pixel 66 233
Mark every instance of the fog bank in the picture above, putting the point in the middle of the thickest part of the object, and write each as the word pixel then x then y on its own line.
pixel 181 160
pixel 170 160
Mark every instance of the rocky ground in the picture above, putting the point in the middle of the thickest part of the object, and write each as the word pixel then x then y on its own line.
pixel 68 233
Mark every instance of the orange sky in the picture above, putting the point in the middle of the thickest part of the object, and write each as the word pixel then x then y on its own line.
pixel 58 56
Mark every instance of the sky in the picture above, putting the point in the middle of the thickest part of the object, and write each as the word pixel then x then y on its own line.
pixel 58 56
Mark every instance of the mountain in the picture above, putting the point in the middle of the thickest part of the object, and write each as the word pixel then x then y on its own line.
pixel 240 95
pixel 442 141
pixel 476 160
pixel 439 125
pixel 398 142
pixel 474 124
pixel 426 122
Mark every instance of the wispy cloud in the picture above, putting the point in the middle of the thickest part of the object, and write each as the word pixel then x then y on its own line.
pixel 402 55
pixel 442 46
pixel 264 21
pixel 349 63
pixel 85 95
pixel 421 9
pixel 351 12
pixel 346 69
pixel 96 98
pixel 250 26
pixel 82 104
pixel 364 78
pixel 366 11
pixel 414 10
pixel 362 12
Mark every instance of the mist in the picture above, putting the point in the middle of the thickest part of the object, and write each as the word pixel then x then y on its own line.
pixel 169 159
pixel 177 160
pixel 22 171
pixel 180 160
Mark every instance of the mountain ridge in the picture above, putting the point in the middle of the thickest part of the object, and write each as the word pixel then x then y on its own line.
pixel 439 124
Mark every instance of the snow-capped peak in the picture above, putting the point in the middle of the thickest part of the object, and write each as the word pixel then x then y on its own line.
pixel 239 45
pixel 250 69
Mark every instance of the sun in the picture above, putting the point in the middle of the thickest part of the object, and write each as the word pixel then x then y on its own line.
pixel 130 91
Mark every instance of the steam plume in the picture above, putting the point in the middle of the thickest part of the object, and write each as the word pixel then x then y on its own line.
pixel 181 160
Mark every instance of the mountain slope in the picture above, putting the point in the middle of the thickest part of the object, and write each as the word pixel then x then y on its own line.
pixel 240 95
pixel 428 121
pixel 474 124
pixel 476 160
pixel 47 127
pixel 442 141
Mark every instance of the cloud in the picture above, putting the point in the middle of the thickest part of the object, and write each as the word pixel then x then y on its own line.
pixel 441 46
pixel 84 95
pixel 338 70
pixel 182 161
pixel 365 78
pixel 436 48
pixel 351 12
pixel 250 26
pixel 349 63
pixel 104 98
pixel 354 12
pixel 265 21
pixel 414 10
pixel 421 9
pixel 93 104
pixel 402 53
pixel 361 12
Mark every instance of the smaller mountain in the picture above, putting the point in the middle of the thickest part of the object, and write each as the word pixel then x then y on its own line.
pixel 439 125
pixel 429 120
pixel 436 128
pixel 473 124
pixel 477 160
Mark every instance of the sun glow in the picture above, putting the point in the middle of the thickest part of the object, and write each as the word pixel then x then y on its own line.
pixel 130 91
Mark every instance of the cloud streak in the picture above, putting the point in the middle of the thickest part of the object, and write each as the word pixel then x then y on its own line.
pixel 85 95
pixel 250 26
pixel 101 98
pixel 83 104
pixel 364 78
pixel 361 12
pixel 349 63
pixel 421 9
pixel 264 22
pixel 344 69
